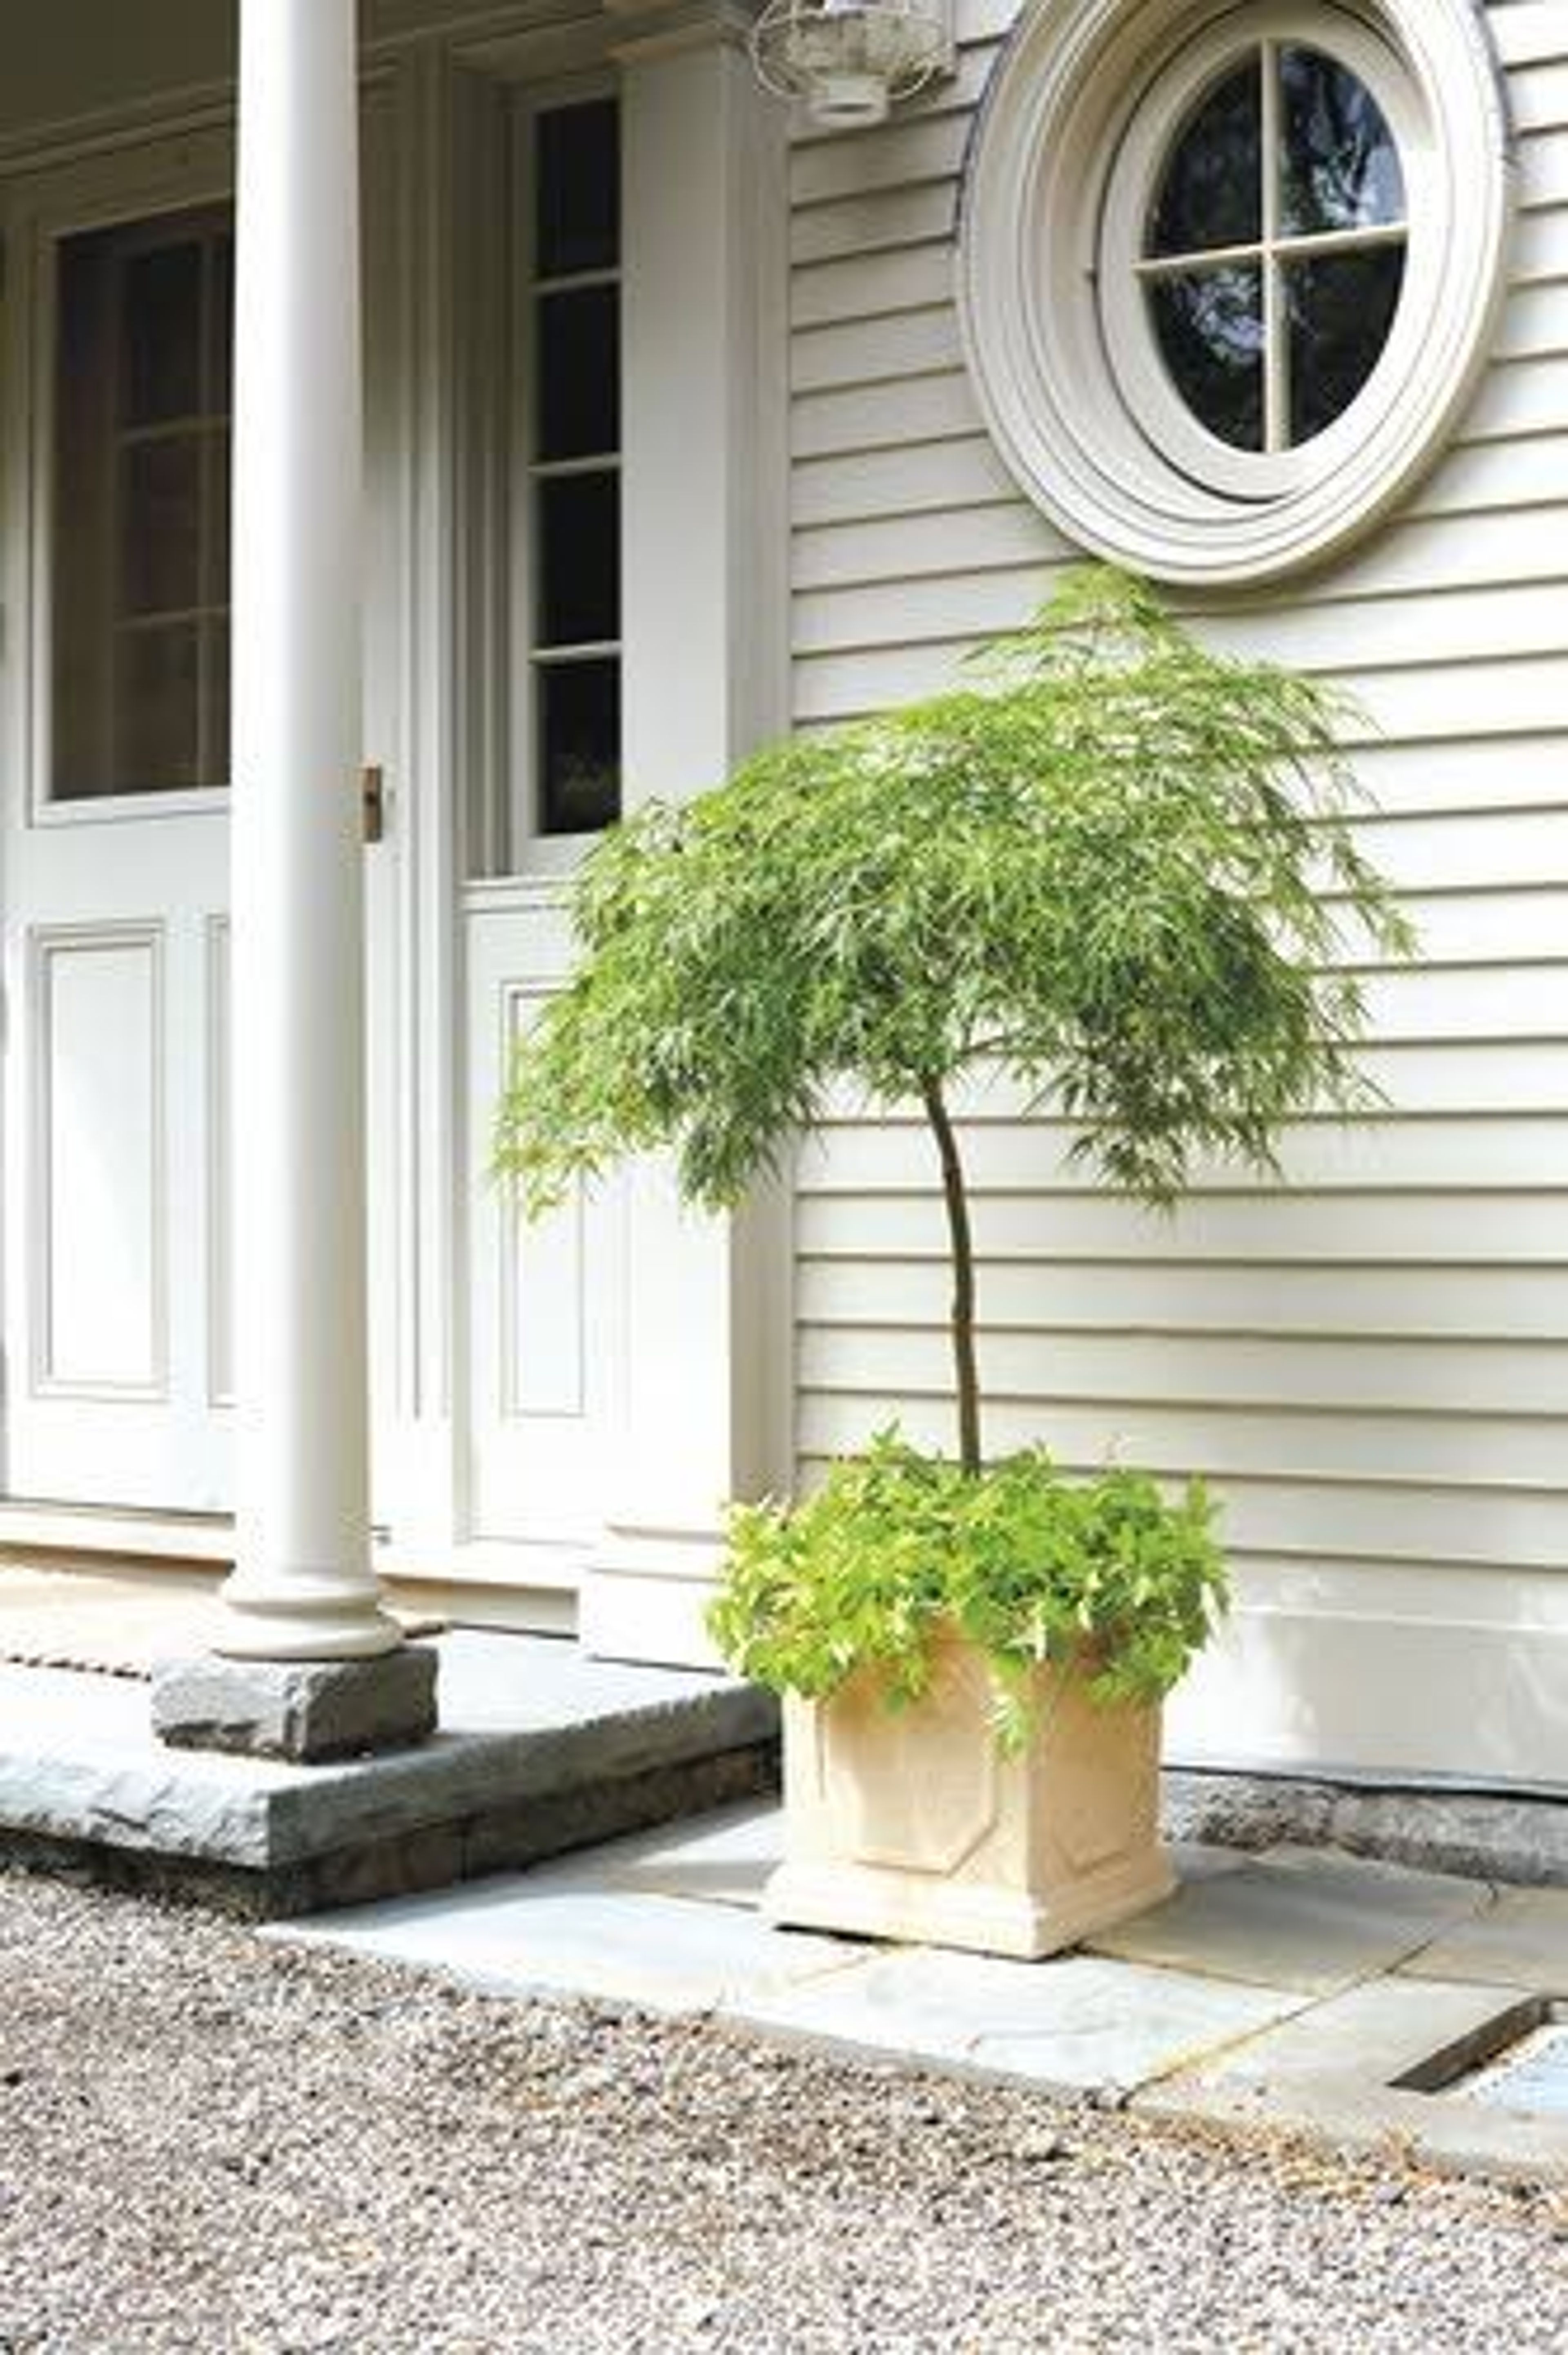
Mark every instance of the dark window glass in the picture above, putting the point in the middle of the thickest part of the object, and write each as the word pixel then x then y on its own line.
pixel 579 560
pixel 1341 165
pixel 216 674
pixel 1209 324
pixel 1341 309
pixel 160 526
pixel 220 326
pixel 578 373
pixel 1212 194
pixel 580 746
pixel 578 185
pixel 157 707
pixel 219 518
pixel 141 507
pixel 162 356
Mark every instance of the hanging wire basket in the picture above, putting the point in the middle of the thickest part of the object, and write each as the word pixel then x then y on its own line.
pixel 849 60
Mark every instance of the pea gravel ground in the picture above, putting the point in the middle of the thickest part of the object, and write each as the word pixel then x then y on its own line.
pixel 211 2143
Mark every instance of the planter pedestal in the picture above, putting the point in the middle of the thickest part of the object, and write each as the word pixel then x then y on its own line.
pixel 911 1825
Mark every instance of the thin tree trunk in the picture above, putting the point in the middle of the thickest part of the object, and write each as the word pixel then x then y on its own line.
pixel 965 1366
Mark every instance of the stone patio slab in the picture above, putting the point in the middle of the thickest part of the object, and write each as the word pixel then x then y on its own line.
pixel 1520 1940
pixel 1335 2071
pixel 661 1921
pixel 723 1858
pixel 545 1933
pixel 540 1749
pixel 1073 2026
pixel 1297 1919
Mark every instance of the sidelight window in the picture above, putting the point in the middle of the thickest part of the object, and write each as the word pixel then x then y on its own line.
pixel 573 430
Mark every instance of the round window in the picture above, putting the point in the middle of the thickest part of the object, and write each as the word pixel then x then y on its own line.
pixel 1273 249
pixel 1294 216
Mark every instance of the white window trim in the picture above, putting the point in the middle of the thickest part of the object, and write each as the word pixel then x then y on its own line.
pixel 1075 125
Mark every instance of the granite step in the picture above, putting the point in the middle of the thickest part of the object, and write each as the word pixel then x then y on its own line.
pixel 540 1750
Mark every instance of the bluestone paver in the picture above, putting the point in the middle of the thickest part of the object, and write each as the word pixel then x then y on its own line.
pixel 1322 2039
pixel 724 1858
pixel 1339 2071
pixel 1520 1940
pixel 1298 1919
pixel 539 1750
pixel 545 1932
pixel 1076 2024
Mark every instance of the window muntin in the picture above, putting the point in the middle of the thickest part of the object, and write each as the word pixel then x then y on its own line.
pixel 574 653
pixel 140 554
pixel 1274 254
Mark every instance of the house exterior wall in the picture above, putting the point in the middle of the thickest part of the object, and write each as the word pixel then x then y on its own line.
pixel 1371 1363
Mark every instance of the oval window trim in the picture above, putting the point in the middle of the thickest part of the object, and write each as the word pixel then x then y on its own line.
pixel 1071 138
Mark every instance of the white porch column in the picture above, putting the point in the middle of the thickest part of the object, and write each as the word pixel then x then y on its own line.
pixel 302 1589
pixel 705 628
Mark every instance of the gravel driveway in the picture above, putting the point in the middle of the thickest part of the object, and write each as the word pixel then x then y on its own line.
pixel 211 2143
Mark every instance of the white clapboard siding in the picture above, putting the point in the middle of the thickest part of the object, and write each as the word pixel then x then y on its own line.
pixel 1312 1449
pixel 1050 1291
pixel 1329 1225
pixel 1362 1154
pixel 1371 1363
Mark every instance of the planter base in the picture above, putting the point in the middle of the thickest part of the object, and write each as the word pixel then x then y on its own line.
pixel 916 1911
pixel 910 1826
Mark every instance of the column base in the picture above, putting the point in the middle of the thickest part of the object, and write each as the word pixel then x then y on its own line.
pixel 304 1618
pixel 302 1712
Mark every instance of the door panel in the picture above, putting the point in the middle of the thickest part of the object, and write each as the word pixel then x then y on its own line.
pixel 116 1154
pixel 115 832
pixel 118 1091
pixel 101 1316
pixel 547 1318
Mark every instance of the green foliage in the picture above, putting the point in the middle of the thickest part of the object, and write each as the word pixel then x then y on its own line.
pixel 1117 866
pixel 1029 1566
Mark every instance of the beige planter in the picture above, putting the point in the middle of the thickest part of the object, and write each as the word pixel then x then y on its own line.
pixel 912 1825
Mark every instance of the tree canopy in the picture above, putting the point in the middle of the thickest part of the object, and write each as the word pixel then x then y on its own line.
pixel 1113 863
pixel 1119 864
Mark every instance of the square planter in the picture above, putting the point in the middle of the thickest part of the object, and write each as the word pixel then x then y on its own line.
pixel 912 1824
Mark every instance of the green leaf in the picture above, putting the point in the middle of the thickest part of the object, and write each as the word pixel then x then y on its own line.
pixel 1029 1565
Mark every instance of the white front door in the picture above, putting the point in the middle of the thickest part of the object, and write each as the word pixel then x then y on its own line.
pixel 116 836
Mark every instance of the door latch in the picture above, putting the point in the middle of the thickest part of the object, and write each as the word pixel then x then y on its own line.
pixel 373 803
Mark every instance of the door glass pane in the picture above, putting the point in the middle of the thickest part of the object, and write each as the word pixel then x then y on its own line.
pixel 1341 166
pixel 160 526
pixel 1212 194
pixel 1341 309
pixel 219 503
pixel 577 189
pixel 140 511
pixel 162 369
pixel 579 560
pixel 215 765
pixel 220 326
pixel 156 746
pixel 1209 327
pixel 580 746
pixel 578 373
